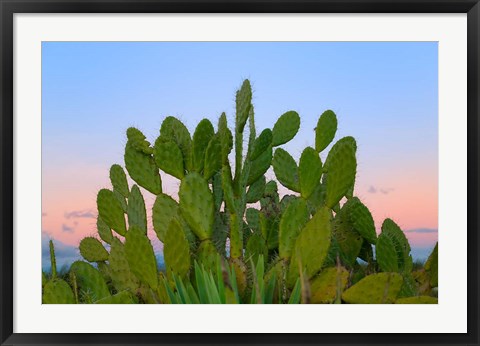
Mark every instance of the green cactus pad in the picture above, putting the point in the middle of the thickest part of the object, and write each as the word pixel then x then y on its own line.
pixel 261 144
pixel 57 291
pixel 123 297
pixel 213 161
pixel 361 219
pixel 89 280
pixel 256 246
pixel 260 165
pixel 227 186
pixel 243 102
pixel 121 199
pixel 431 266
pixel 226 138
pixel 207 255
pixel 286 170
pixel 317 198
pixel 92 250
pixel 119 180
pixel 311 246
pixel 140 256
pixel 202 136
pixel 110 210
pixel 164 210
pixel 252 216
pixel 137 215
pixel 348 240
pixel 402 247
pixel 328 286
pixel 381 288
pixel 256 190
pixel 292 222
pixel 417 300
pixel 385 254
pixel 169 157
pixel 120 273
pixel 196 205
pixel 176 250
pixel 138 140
pixel 309 171
pixel 104 231
pixel 174 130
pixel 340 167
pixel 285 128
pixel 142 168
pixel 325 130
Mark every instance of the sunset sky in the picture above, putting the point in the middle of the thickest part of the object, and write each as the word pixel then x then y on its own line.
pixel 385 95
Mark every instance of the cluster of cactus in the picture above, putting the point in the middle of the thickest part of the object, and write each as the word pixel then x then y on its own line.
pixel 230 238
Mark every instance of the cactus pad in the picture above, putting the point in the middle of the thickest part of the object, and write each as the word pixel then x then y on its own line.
pixel 104 231
pixel 328 286
pixel 110 210
pixel 174 130
pixel 391 230
pixel 169 157
pixel 123 297
pixel 57 291
pixel 311 246
pixel 202 136
pixel 285 128
pixel 292 222
pixel 417 300
pixel 243 102
pixel 361 219
pixel 89 280
pixel 164 210
pixel 256 190
pixel 120 273
pixel 325 130
pixel 385 254
pixel 176 250
pixel 213 161
pixel 226 138
pixel 261 144
pixel 286 170
pixel 140 256
pixel 92 250
pixel 196 205
pixel 137 215
pixel 381 288
pixel 119 180
pixel 142 169
pixel 340 167
pixel 431 266
pixel 260 165
pixel 309 171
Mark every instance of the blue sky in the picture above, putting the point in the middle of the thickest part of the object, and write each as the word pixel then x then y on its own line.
pixel 385 94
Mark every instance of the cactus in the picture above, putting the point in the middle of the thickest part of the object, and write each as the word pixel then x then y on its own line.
pixel 92 250
pixel 169 157
pixel 285 128
pixel 140 257
pixel 177 250
pixel 137 215
pixel 286 170
pixel 378 288
pixel 111 211
pixel 325 130
pixel 299 247
pixel 196 205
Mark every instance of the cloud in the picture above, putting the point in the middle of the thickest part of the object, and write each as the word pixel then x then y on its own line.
pixel 80 214
pixel 423 230
pixel 385 191
pixel 67 229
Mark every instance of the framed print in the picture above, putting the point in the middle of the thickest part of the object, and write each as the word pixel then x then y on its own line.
pixel 239 173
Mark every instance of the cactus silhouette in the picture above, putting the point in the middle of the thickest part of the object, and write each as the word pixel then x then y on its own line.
pixel 231 236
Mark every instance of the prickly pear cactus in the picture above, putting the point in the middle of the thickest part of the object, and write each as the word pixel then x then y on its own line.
pixel 234 236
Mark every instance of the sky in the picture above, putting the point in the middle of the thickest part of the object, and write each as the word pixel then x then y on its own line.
pixel 385 94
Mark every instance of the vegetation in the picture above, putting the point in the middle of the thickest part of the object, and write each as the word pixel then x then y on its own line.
pixel 230 238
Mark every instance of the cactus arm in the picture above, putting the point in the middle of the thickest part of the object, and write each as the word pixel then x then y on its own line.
pixel 52 260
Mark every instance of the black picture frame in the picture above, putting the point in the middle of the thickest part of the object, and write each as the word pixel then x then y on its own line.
pixel 10 7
